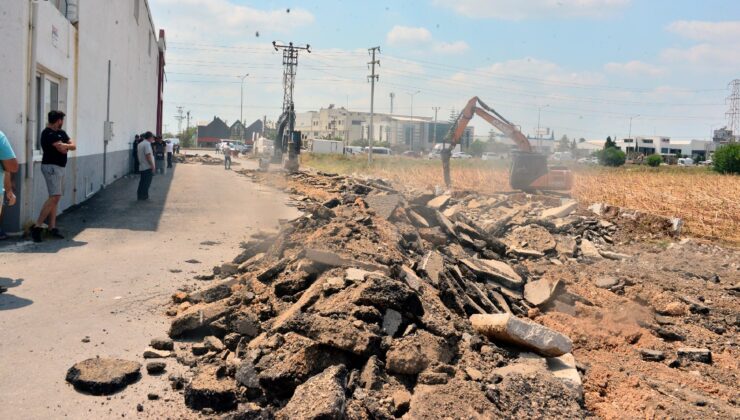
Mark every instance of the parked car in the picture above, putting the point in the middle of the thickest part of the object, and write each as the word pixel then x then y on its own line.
pixel 461 155
pixel 685 162
pixel 707 162
pixel 489 156
pixel 411 153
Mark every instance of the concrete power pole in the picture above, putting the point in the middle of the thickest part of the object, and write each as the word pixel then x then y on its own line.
pixel 393 96
pixel 373 78
pixel 179 117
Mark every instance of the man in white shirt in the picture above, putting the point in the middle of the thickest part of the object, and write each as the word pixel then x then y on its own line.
pixel 227 155
pixel 146 166
pixel 170 151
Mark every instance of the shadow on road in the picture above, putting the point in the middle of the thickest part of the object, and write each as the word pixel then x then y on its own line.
pixel 115 207
pixel 8 301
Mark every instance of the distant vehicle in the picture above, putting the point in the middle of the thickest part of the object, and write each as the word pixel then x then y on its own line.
pixel 353 150
pixel 707 162
pixel 685 162
pixel 326 146
pixel 411 153
pixel 561 156
pixel 382 151
pixel 460 155
pixel 263 147
pixel 588 161
pixel 437 150
pixel 173 140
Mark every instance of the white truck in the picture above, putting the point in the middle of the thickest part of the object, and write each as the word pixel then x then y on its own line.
pixel 327 146
pixel 437 150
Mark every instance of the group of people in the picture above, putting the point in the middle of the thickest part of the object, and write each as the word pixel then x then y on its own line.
pixel 149 156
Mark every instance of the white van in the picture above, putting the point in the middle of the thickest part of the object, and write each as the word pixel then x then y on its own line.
pixel 353 150
pixel 380 151
pixel 685 162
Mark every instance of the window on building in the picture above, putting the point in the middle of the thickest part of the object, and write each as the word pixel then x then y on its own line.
pixel 47 99
pixel 136 10
pixel 664 150
pixel 647 141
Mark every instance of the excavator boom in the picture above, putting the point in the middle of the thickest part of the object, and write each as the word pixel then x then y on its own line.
pixel 529 169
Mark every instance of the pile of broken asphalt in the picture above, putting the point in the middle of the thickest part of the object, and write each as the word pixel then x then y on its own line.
pixel 385 304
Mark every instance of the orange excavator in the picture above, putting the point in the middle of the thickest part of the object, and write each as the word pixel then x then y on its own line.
pixel 529 170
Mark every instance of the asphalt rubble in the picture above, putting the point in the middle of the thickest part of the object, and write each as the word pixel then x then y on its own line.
pixel 380 304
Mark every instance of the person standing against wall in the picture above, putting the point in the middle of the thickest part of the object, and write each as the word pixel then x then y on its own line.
pixel 137 140
pixel 159 153
pixel 8 166
pixel 55 144
pixel 146 166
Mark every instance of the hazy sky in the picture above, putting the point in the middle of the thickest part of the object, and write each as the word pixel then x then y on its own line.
pixel 588 65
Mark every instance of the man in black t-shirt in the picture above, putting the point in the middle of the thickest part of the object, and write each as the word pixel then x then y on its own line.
pixel 55 143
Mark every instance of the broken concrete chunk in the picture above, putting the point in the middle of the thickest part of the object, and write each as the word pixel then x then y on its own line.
pixel 355 274
pixel 589 250
pixel 383 204
pixel 335 260
pixel 694 354
pixel 246 265
pixel 496 271
pixel 531 238
pixel 162 343
pixel 566 246
pixel 247 376
pixel 208 390
pixel 522 332
pixel 197 316
pixel 213 343
pixel 438 202
pixel 152 353
pixel 213 293
pixel 410 355
pixel 321 397
pixel 649 355
pixel 613 255
pixel 433 264
pixel 606 282
pixel 103 376
pixel 155 368
pixel 562 211
pixel 539 292
pixel 564 368
pixel 411 278
pixel 417 219
pixel 391 321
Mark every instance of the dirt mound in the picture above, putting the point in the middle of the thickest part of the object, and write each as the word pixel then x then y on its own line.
pixel 361 309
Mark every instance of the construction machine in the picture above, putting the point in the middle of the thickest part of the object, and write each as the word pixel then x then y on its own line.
pixel 529 169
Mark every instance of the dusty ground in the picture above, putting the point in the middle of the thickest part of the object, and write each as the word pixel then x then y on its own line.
pixel 109 282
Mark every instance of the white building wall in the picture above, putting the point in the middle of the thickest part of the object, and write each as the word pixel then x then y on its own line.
pixel 78 59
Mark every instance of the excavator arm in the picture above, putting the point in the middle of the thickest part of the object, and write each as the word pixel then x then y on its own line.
pixel 528 170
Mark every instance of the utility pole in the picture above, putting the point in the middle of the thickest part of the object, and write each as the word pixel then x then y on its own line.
pixel 393 96
pixel 373 78
pixel 629 136
pixel 539 135
pixel 241 108
pixel 435 108
pixel 287 119
pixel 413 126
pixel 733 113
pixel 179 117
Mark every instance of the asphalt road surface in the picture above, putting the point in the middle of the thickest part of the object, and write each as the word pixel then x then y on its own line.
pixel 109 281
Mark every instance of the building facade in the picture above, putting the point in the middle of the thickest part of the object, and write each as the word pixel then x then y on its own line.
pixel 666 146
pixel 102 64
pixel 401 132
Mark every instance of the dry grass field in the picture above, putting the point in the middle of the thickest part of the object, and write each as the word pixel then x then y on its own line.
pixel 708 203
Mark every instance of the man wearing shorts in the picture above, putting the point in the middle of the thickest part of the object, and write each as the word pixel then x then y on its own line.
pixel 55 143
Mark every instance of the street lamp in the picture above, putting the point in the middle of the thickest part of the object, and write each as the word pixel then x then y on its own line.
pixel 539 135
pixel 241 110
pixel 629 136
pixel 413 128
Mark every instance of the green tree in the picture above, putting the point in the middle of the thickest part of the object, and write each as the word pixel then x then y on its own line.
pixel 477 148
pixel 564 144
pixel 654 160
pixel 727 159
pixel 188 137
pixel 612 157
pixel 609 143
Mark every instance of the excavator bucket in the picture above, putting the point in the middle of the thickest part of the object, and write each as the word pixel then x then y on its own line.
pixel 529 171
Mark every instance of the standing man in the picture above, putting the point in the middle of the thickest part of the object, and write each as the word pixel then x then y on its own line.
pixel 55 144
pixel 170 151
pixel 227 155
pixel 146 166
pixel 9 164
pixel 159 153
pixel 137 140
